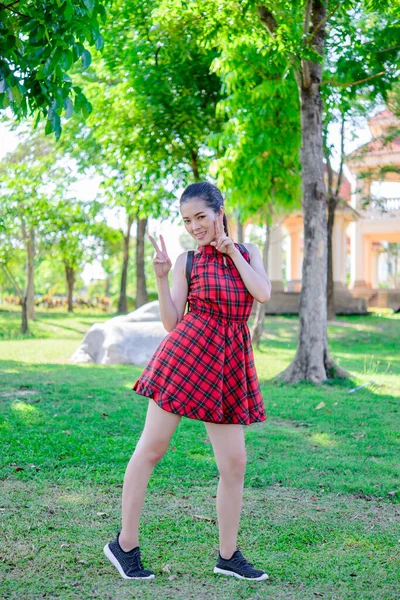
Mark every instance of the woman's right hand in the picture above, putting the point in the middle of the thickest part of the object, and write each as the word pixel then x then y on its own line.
pixel 161 262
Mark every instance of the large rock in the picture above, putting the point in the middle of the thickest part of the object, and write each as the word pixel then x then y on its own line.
pixel 127 339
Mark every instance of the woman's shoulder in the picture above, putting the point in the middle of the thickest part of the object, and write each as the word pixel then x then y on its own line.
pixel 248 246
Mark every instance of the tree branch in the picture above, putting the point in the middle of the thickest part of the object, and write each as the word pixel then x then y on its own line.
pixel 312 33
pixel 340 174
pixel 267 19
pixel 388 49
pixel 14 283
pixel 307 15
pixel 341 84
pixel 305 70
pixel 9 7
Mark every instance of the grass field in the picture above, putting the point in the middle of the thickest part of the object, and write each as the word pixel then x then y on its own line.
pixel 322 493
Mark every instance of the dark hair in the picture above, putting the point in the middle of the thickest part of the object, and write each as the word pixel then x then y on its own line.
pixel 209 193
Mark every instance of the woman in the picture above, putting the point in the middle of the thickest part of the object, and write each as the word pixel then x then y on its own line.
pixel 203 369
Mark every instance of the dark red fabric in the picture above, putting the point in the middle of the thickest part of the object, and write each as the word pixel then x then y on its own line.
pixel 204 368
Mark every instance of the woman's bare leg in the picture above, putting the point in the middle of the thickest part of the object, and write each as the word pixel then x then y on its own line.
pixel 230 453
pixel 151 447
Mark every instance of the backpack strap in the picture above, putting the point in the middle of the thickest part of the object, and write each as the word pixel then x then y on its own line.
pixel 189 263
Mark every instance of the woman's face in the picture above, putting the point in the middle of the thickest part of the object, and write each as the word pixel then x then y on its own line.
pixel 199 220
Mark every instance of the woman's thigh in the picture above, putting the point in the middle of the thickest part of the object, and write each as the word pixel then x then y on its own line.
pixel 229 446
pixel 158 429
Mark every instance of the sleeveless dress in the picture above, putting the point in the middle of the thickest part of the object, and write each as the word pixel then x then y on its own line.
pixel 204 367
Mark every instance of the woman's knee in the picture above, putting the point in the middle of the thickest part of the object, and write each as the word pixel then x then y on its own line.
pixel 233 466
pixel 151 450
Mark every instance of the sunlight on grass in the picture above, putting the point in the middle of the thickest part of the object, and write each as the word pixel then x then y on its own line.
pixel 322 439
pixel 355 543
pixel 26 413
pixel 22 407
pixel 39 351
pixel 73 498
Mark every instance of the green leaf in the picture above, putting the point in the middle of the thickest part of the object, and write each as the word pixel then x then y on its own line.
pixel 4 101
pixel 49 127
pixel 36 123
pixel 10 42
pixel 102 12
pixel 69 108
pixel 99 42
pixel 89 5
pixel 86 59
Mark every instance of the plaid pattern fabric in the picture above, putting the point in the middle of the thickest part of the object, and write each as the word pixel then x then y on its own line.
pixel 204 367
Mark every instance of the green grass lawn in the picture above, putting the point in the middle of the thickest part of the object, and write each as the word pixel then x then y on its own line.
pixel 322 493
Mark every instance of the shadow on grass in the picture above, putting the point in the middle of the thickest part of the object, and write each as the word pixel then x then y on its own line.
pixel 85 419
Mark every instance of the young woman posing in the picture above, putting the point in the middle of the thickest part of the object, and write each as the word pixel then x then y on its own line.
pixel 203 369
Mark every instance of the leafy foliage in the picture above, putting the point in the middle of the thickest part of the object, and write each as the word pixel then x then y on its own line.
pixel 39 43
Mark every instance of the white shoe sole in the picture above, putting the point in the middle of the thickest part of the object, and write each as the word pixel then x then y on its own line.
pixel 233 574
pixel 116 564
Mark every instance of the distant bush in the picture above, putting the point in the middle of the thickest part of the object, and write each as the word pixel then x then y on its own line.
pixel 53 301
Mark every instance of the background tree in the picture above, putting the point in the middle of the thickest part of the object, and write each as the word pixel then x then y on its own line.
pixel 75 238
pixel 24 209
pixel 39 43
pixel 154 105
pixel 358 76
pixel 258 164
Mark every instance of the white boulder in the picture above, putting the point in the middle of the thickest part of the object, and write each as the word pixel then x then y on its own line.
pixel 126 339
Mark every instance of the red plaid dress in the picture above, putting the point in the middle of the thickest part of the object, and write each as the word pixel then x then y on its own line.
pixel 204 367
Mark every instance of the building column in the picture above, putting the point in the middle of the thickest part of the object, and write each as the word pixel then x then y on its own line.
pixel 376 250
pixel 275 259
pixel 357 257
pixel 294 260
pixel 339 251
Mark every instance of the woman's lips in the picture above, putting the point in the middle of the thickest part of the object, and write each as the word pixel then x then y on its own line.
pixel 200 236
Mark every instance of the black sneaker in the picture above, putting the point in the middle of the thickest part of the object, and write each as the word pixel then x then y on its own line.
pixel 237 566
pixel 128 563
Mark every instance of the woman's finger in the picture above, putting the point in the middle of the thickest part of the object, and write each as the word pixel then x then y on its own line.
pixel 163 244
pixel 217 226
pixel 153 241
pixel 225 243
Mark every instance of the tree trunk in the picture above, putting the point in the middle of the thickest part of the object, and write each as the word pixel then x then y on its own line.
pixel 29 241
pixel 333 201
pixel 108 285
pixel 141 290
pixel 194 159
pixel 331 312
pixel 239 230
pixel 312 361
pixel 260 310
pixel 70 276
pixel 24 304
pixel 122 301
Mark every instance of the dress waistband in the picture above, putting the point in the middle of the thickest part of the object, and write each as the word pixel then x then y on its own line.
pixel 217 316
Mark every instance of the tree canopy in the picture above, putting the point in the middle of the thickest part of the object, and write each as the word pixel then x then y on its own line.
pixel 39 43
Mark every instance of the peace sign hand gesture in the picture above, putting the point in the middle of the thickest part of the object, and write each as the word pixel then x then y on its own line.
pixel 161 262
pixel 223 243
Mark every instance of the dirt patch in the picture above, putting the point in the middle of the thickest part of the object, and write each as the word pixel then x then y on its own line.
pixel 17 393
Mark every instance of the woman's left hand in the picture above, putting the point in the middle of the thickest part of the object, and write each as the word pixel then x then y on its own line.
pixel 223 243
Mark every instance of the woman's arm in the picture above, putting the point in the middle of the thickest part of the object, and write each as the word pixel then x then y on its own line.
pixel 253 273
pixel 172 303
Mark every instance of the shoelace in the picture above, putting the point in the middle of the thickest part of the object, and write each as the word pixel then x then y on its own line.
pixel 240 561
pixel 138 561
